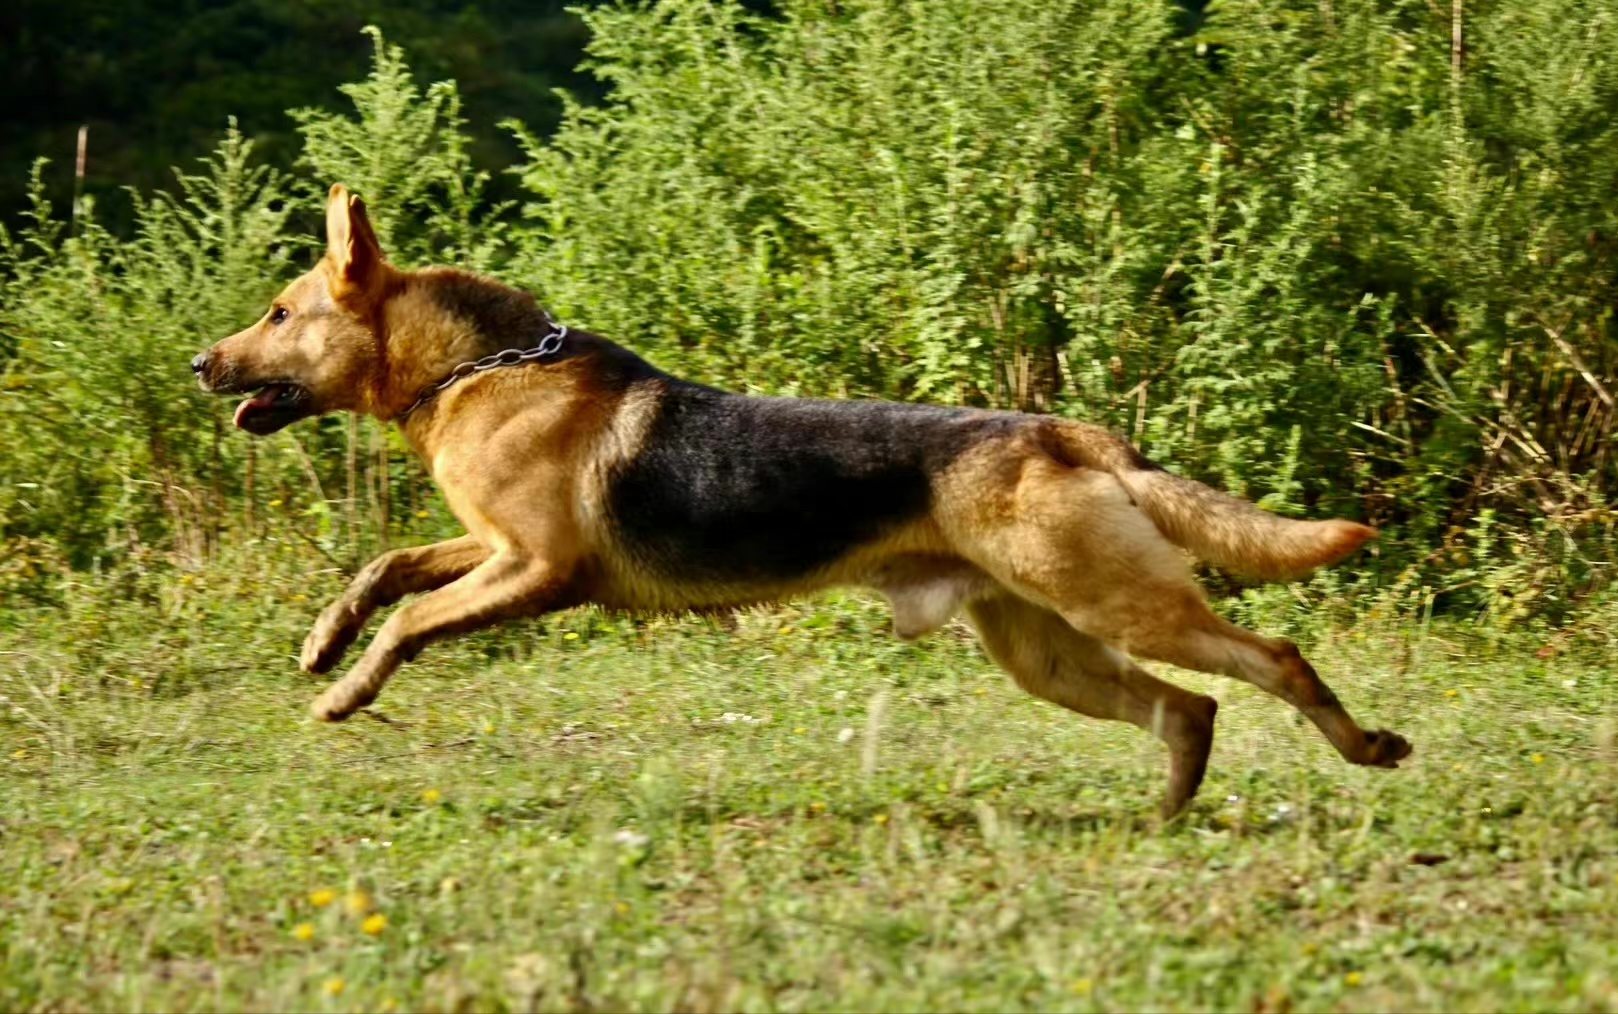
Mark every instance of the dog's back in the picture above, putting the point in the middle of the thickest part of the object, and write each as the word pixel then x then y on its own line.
pixel 730 488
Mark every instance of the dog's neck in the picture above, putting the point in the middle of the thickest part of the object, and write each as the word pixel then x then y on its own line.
pixel 436 319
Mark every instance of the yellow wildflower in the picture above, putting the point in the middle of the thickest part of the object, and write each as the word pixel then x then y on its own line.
pixel 1353 979
pixel 431 796
pixel 358 902
pixel 374 924
pixel 304 931
pixel 335 986
pixel 322 897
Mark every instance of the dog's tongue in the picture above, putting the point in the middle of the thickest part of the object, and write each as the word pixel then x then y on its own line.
pixel 262 400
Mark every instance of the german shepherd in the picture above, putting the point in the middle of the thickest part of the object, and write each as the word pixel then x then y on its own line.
pixel 585 475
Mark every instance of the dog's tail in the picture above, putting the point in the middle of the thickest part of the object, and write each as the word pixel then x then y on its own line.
pixel 1218 528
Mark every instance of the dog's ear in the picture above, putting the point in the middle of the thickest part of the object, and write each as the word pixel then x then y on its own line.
pixel 354 255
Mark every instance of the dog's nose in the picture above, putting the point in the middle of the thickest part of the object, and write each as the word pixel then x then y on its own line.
pixel 200 363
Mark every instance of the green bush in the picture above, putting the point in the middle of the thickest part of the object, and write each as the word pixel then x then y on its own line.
pixel 1349 258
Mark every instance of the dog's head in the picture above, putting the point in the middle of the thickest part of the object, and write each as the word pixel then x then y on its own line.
pixel 316 348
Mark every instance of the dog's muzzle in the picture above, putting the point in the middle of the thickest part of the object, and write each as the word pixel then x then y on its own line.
pixel 275 402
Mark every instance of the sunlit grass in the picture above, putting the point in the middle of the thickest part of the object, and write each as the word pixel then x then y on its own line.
pixel 799 814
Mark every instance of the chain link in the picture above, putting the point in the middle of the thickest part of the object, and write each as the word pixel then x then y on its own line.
pixel 549 345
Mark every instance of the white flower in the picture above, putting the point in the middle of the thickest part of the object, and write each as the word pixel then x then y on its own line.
pixel 845 734
pixel 630 839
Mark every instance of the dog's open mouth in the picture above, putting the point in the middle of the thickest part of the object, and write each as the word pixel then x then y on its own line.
pixel 274 406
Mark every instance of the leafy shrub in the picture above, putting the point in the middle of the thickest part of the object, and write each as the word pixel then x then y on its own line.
pixel 1334 257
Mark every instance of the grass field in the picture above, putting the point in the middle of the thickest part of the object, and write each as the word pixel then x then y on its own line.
pixel 802 814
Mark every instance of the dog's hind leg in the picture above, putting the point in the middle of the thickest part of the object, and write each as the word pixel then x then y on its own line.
pixel 1050 659
pixel 1188 634
pixel 381 583
pixel 1169 621
pixel 1075 542
pixel 504 586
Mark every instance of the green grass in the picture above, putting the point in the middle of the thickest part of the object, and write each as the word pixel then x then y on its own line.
pixel 562 818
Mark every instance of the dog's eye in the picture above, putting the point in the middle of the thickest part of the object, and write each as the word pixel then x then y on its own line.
pixel 278 315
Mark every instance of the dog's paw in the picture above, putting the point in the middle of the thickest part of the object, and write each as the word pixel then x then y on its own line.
pixel 338 702
pixel 330 637
pixel 1385 749
pixel 326 711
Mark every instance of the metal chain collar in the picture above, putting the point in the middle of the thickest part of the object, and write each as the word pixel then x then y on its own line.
pixel 548 345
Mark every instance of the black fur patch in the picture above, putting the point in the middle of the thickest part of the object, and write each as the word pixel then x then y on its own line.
pixel 1140 461
pixel 508 318
pixel 732 488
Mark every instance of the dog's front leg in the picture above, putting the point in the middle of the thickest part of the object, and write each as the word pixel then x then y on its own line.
pixel 504 586
pixel 381 583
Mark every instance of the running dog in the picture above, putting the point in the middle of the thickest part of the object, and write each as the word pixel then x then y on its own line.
pixel 583 474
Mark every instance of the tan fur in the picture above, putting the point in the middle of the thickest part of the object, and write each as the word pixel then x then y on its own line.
pixel 1218 528
pixel 1056 538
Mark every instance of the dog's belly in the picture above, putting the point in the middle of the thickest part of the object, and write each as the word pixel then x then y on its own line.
pixel 925 590
pixel 734 491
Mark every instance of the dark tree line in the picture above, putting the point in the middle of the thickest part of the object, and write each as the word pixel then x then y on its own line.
pixel 155 80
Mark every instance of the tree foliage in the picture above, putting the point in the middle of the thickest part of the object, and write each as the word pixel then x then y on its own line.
pixel 1348 258
pixel 155 80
